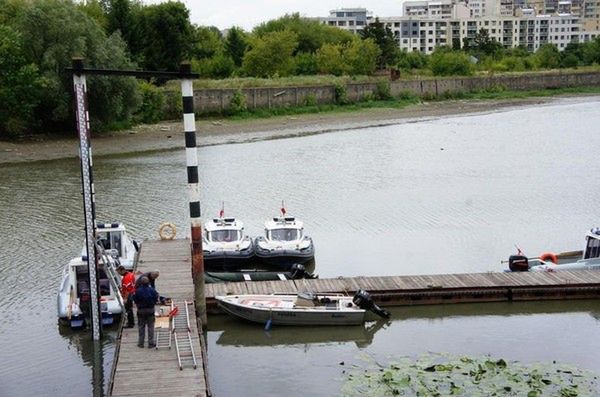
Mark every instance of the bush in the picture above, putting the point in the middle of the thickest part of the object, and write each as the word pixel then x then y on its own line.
pixel 306 64
pixel 382 90
pixel 153 103
pixel 310 100
pixel 238 103
pixel 341 94
pixel 173 105
pixel 445 62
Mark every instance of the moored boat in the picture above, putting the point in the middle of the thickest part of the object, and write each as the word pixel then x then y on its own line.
pixel 225 246
pixel 301 309
pixel 113 238
pixel 284 243
pixel 73 301
pixel 589 258
pixel 295 273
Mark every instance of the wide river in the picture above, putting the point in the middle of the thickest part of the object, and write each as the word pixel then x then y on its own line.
pixel 443 195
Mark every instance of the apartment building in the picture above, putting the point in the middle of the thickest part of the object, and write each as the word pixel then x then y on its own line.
pixel 438 9
pixel 531 32
pixel 351 19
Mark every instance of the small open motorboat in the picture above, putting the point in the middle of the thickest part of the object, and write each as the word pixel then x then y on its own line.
pixel 301 309
pixel 225 246
pixel 73 301
pixel 113 238
pixel 284 243
pixel 588 259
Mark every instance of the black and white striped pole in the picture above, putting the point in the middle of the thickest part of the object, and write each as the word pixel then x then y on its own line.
pixel 191 156
pixel 82 120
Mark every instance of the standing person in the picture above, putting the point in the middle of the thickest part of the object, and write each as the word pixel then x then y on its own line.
pixel 127 290
pixel 152 276
pixel 145 297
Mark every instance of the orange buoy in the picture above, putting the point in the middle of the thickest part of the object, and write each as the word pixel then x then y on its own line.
pixel 549 256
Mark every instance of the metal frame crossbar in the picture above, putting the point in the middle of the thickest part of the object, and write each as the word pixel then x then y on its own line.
pixel 183 339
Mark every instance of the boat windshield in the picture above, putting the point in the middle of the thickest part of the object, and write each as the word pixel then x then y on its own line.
pixel 592 249
pixel 110 240
pixel 225 235
pixel 284 234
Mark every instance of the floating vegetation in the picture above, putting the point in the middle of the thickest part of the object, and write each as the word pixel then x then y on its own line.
pixel 441 375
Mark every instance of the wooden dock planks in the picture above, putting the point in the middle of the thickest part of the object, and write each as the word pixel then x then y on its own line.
pixel 144 371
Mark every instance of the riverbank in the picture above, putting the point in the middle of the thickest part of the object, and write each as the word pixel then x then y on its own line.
pixel 169 135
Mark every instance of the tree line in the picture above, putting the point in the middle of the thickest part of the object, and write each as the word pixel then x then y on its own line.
pixel 38 39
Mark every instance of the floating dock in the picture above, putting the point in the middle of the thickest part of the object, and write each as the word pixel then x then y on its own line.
pixel 138 371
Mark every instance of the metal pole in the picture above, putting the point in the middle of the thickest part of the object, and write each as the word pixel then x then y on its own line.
pixel 191 155
pixel 87 182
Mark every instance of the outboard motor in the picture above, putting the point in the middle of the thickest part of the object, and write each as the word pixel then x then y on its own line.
pixel 363 300
pixel 518 263
pixel 298 271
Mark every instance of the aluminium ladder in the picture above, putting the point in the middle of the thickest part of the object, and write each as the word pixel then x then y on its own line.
pixel 183 341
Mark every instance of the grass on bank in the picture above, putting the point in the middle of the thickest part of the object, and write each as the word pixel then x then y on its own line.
pixel 494 93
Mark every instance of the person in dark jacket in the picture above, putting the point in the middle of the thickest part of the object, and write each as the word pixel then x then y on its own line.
pixel 152 276
pixel 145 298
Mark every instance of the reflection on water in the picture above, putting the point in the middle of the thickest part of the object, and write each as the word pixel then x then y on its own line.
pixel 376 201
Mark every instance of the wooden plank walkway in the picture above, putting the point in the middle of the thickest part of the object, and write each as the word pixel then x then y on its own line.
pixel 433 289
pixel 154 372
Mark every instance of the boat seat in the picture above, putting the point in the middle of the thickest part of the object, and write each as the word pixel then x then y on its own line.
pixel 83 287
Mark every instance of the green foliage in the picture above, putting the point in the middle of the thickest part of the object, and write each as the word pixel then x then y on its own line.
pixel 311 34
pixel 438 375
pixel 55 31
pixel 95 10
pixel 382 90
pixel 446 62
pixel 411 60
pixel 236 44
pixel 547 57
pixel 330 61
pixel 306 64
pixel 238 103
pixel 310 100
pixel 271 54
pixel 20 86
pixel 219 67
pixel 165 36
pixel 341 94
pixel 173 106
pixel 153 103
pixel 361 56
pixel 384 38
pixel 207 42
pixel 591 52
pixel 483 45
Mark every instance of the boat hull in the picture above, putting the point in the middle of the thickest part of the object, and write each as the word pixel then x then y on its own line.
pixel 283 259
pixel 290 316
pixel 228 261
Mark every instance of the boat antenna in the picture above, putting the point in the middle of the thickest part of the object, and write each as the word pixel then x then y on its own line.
pixel 282 208
pixel 222 212
pixel 519 251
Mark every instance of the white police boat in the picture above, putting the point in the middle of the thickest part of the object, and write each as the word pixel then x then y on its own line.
pixel 284 244
pixel 225 246
pixel 589 258
pixel 301 309
pixel 113 238
pixel 73 301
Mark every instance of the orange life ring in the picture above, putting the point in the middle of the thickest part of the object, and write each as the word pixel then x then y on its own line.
pixel 549 256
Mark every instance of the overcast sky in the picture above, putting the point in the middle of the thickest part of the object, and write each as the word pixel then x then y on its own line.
pixel 249 13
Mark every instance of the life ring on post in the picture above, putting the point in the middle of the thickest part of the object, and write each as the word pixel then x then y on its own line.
pixel 549 256
pixel 167 231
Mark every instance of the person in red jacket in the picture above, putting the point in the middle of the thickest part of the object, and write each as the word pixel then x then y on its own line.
pixel 127 291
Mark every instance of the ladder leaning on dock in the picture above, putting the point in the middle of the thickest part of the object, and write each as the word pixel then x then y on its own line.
pixel 183 340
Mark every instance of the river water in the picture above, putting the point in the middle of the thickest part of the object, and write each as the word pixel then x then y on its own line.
pixel 443 195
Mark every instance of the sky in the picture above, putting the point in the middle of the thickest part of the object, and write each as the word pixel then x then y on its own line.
pixel 249 13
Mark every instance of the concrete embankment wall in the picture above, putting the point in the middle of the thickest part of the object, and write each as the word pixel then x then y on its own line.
pixel 219 100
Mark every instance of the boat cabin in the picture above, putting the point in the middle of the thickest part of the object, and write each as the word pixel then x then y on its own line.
pixel 113 238
pixel 224 230
pixel 592 244
pixel 284 229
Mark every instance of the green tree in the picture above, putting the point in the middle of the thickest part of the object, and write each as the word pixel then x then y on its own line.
pixel 166 35
pixel 312 34
pixel 412 60
pixel 271 54
pixel 330 60
pixel 306 63
pixel 591 51
pixel 20 86
pixel 55 31
pixel 361 56
pixel 547 56
pixel 207 42
pixel 236 44
pixel 95 10
pixel 483 44
pixel 446 62
pixel 384 38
